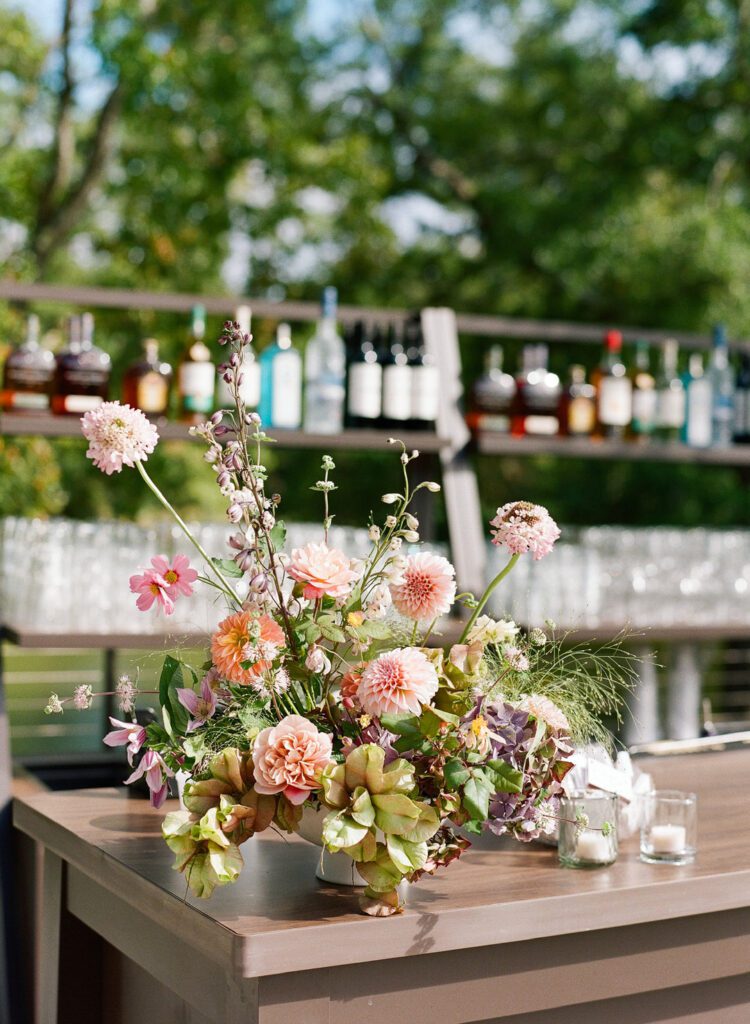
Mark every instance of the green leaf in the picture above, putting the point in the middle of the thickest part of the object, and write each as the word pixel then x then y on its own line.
pixel 228 567
pixel 433 719
pixel 395 814
pixel 505 777
pixel 278 535
pixel 340 831
pixel 402 725
pixel 381 874
pixel 456 773
pixel 364 767
pixel 477 793
pixel 330 631
pixel 361 808
pixel 407 856
pixel 375 629
pixel 426 824
pixel 170 679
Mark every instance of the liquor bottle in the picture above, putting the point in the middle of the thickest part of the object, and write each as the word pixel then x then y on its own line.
pixel 146 384
pixel 722 390
pixel 28 374
pixel 742 401
pixel 697 430
pixel 643 421
pixel 425 378
pixel 325 372
pixel 250 386
pixel 670 395
pixel 281 382
pixel 535 407
pixel 364 381
pixel 578 405
pixel 614 390
pixel 397 376
pixel 82 371
pixel 196 375
pixel 492 396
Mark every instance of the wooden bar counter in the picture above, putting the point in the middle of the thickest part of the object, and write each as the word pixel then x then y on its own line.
pixel 503 935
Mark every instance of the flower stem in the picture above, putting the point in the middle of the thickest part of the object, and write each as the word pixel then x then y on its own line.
pixel 224 585
pixel 485 596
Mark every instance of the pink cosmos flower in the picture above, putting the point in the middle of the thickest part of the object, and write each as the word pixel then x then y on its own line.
pixel 200 706
pixel 126 733
pixel 118 436
pixel 152 765
pixel 151 586
pixel 324 571
pixel 178 576
pixel 289 757
pixel 397 682
pixel 521 527
pixel 426 588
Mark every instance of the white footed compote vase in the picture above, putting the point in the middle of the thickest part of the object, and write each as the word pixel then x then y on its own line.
pixel 336 868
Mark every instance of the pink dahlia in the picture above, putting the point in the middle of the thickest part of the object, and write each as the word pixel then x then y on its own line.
pixel 118 436
pixel 397 682
pixel 324 571
pixel 426 588
pixel 521 527
pixel 289 757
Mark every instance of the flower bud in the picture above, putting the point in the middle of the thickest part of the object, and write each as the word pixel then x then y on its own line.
pixel 411 536
pixel 259 583
pixel 234 513
pixel 390 499
pixel 217 417
pixel 411 521
pixel 432 486
pixel 390 521
pixel 374 533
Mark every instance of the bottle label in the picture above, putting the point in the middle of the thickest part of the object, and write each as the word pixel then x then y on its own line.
pixel 614 404
pixel 644 410
pixel 670 409
pixel 581 416
pixel 152 393
pixel 196 383
pixel 493 422
pixel 286 391
pixel 397 392
pixel 698 426
pixel 81 403
pixel 546 425
pixel 27 400
pixel 249 390
pixel 425 393
pixel 365 390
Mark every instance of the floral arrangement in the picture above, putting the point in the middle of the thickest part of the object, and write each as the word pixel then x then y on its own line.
pixel 324 692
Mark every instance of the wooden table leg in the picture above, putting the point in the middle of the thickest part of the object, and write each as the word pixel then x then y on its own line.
pixel 47 967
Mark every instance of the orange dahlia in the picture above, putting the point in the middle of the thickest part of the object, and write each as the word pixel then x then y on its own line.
pixel 243 637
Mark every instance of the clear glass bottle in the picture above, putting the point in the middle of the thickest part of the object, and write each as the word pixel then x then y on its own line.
pixel 697 430
pixel 250 387
pixel 196 375
pixel 643 420
pixel 28 374
pixel 397 389
pixel 82 371
pixel 578 405
pixel 670 395
pixel 614 390
pixel 146 384
pixel 492 396
pixel 325 372
pixel 538 391
pixel 281 383
pixel 742 401
pixel 721 379
pixel 364 390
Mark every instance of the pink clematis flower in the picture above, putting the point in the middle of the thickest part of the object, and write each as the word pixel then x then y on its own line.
pixel 129 733
pixel 152 587
pixel 156 771
pixel 200 706
pixel 178 576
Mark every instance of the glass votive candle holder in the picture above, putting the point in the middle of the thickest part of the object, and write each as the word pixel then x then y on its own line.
pixel 588 829
pixel 669 834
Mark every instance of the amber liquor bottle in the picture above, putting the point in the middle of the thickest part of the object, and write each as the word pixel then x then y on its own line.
pixel 146 383
pixel 28 374
pixel 82 372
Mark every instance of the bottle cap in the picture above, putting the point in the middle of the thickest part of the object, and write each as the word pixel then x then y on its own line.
pixel 284 336
pixel 32 329
pixel 199 320
pixel 243 316
pixel 613 340
pixel 87 328
pixel 329 302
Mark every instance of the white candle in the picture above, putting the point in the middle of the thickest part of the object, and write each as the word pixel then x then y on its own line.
pixel 593 846
pixel 668 838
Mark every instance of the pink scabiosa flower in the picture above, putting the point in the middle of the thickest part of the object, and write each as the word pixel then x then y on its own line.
pixel 157 773
pixel 128 734
pixel 201 706
pixel 397 682
pixel 546 710
pixel 289 757
pixel 520 527
pixel 323 571
pixel 426 588
pixel 118 436
pixel 516 658
pixel 151 587
pixel 179 576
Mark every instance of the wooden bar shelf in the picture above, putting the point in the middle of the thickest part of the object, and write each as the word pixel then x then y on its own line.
pixel 584 448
